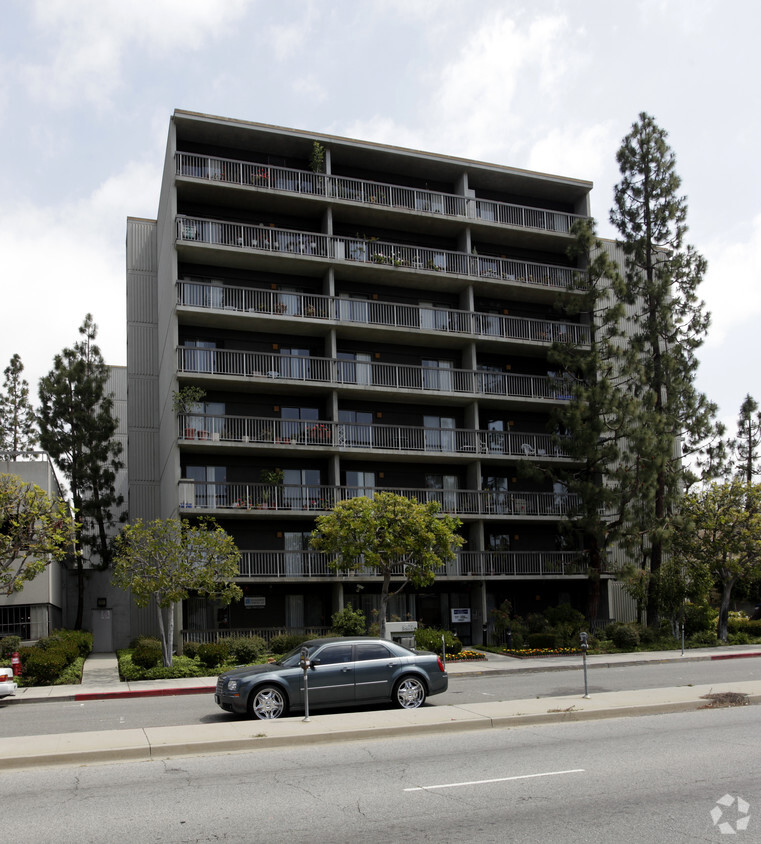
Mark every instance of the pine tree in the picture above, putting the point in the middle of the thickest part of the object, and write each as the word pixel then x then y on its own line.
pixel 747 443
pixel 667 324
pixel 589 428
pixel 77 429
pixel 18 428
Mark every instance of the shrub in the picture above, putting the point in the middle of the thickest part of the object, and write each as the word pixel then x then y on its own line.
pixel 81 639
pixel 349 622
pixel 190 649
pixel 429 639
pixel 698 618
pixel 541 641
pixel 741 638
pixel 67 648
pixel 625 637
pixel 44 666
pixel 246 649
pixel 536 622
pixel 735 625
pixel 704 639
pixel 8 646
pixel 147 653
pixel 286 642
pixel 211 654
pixel 142 640
pixel 565 614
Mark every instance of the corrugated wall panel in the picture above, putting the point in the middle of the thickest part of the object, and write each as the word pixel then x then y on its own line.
pixel 142 350
pixel 143 501
pixel 143 455
pixel 141 245
pixel 142 409
pixel 141 298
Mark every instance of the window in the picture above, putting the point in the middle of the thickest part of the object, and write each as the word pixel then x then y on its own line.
pixel 446 486
pixel 301 489
pixel 297 421
pixel 292 363
pixel 357 427
pixel 436 375
pixel 198 355
pixel 296 551
pixel 354 368
pixel 360 484
pixel 210 485
pixel 372 650
pixel 439 433
pixel 434 316
pixel 334 654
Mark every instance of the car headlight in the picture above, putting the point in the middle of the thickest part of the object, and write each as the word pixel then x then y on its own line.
pixel 232 685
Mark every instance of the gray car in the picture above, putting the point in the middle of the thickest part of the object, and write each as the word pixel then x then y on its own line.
pixel 342 672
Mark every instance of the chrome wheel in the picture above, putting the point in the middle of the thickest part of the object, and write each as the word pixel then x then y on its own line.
pixel 266 703
pixel 409 693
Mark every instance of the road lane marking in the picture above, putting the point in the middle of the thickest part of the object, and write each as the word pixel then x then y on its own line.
pixel 499 779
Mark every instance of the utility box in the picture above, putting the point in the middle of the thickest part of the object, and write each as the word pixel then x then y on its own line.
pixel 402 632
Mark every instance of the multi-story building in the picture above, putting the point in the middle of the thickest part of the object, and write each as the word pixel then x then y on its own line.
pixel 381 321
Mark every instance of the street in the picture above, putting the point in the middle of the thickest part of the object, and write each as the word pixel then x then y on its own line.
pixel 646 779
pixel 70 716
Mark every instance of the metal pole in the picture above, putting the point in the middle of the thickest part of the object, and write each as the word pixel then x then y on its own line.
pixel 584 645
pixel 305 662
pixel 586 686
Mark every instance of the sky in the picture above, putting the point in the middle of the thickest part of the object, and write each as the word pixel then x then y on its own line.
pixel 87 88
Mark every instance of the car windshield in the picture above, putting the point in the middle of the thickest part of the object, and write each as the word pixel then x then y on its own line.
pixel 293 657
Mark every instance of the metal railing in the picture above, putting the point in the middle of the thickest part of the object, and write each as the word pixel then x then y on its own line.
pixel 210 296
pixel 369 374
pixel 369 192
pixel 351 435
pixel 201 230
pixel 204 495
pixel 281 564
pixel 266 633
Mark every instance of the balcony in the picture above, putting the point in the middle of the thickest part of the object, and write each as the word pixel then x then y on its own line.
pixel 366 192
pixel 281 433
pixel 312 245
pixel 284 564
pixel 248 499
pixel 219 298
pixel 369 375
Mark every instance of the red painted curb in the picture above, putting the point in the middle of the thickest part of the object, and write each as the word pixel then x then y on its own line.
pixel 199 690
pixel 733 656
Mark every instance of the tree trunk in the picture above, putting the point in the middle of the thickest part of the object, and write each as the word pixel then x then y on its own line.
pixel 595 565
pixel 166 648
pixel 384 604
pixel 726 594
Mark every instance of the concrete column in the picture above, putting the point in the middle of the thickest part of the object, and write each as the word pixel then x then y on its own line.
pixel 338 597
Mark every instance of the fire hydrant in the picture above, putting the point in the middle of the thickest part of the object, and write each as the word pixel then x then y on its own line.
pixel 16 663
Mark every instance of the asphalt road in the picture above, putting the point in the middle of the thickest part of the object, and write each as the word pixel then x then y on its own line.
pixel 647 779
pixel 47 718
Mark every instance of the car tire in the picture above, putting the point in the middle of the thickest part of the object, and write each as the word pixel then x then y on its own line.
pixel 267 702
pixel 409 693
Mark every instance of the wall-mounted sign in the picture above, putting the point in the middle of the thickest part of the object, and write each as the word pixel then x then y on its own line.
pixel 461 616
pixel 255 602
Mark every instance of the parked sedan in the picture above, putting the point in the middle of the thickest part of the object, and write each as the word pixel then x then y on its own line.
pixel 342 672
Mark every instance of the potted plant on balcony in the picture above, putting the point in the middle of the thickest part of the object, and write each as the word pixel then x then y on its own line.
pixel 184 402
pixel 273 478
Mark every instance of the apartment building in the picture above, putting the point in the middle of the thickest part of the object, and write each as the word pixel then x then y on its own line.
pixel 359 317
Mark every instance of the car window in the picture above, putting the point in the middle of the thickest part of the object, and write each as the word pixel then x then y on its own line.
pixel 332 654
pixel 372 650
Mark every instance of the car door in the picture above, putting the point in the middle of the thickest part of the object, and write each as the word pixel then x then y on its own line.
pixel 331 677
pixel 375 667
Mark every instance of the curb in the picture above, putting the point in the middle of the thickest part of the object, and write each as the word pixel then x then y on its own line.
pixel 160 743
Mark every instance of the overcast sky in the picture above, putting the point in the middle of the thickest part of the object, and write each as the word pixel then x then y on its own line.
pixel 87 88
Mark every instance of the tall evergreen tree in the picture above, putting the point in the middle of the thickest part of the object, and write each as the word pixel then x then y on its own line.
pixel 18 426
pixel 590 427
pixel 77 429
pixel 667 324
pixel 747 443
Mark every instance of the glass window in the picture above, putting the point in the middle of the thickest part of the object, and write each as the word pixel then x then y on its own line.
pixel 333 654
pixel 372 650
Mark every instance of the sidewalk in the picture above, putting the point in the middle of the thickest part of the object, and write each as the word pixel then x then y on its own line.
pixel 100 681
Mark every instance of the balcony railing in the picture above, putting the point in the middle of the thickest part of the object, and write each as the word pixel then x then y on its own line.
pixel 367 192
pixel 197 495
pixel 369 374
pixel 278 564
pixel 287 432
pixel 381 253
pixel 218 297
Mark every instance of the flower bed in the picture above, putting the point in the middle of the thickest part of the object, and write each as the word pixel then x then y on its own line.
pixel 465 656
pixel 531 653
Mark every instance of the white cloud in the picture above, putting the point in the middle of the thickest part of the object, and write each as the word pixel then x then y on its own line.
pixel 90 39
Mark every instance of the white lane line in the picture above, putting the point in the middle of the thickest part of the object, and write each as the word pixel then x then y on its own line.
pixel 500 779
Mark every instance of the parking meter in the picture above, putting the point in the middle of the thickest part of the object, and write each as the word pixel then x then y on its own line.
pixel 584 647
pixel 305 662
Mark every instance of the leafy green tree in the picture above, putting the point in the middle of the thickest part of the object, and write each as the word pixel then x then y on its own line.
pixel 77 429
pixel 393 535
pixel 348 622
pixel 667 324
pixel 167 559
pixel 34 531
pixel 720 537
pixel 18 426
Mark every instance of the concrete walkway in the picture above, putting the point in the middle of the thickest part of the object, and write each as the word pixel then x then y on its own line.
pixel 100 681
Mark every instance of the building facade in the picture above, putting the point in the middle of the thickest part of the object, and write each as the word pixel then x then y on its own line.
pixel 358 317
